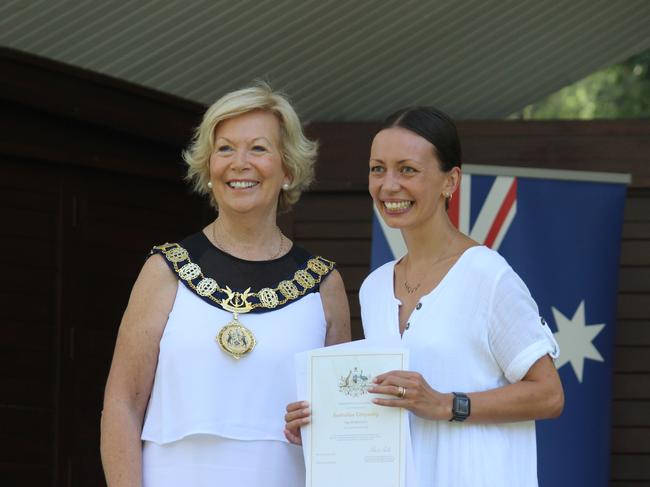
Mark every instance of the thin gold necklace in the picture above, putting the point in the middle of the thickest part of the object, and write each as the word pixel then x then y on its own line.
pixel 410 289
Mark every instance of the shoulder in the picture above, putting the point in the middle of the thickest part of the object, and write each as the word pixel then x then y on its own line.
pixel 377 278
pixel 486 263
pixel 156 274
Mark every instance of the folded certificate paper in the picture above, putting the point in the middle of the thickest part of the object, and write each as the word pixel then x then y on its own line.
pixel 351 441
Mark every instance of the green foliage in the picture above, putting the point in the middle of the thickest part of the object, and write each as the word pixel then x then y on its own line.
pixel 619 91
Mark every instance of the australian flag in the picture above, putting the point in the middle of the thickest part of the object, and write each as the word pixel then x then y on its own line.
pixel 561 233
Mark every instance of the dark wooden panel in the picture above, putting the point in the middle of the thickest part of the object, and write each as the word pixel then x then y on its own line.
pixel 91 147
pixel 353 276
pixel 636 230
pixel 635 253
pixel 631 467
pixel 82 95
pixel 17 447
pixel 631 413
pixel 631 440
pixel 628 483
pixel 357 329
pixel 20 475
pixel 632 359
pixel 634 279
pixel 637 206
pixel 632 386
pixel 333 230
pixel 332 207
pixel 344 252
pixel 633 332
pixel 633 306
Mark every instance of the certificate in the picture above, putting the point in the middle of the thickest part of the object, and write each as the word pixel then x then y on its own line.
pixel 352 441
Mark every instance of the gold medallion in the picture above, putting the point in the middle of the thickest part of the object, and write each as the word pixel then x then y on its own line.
pixel 235 339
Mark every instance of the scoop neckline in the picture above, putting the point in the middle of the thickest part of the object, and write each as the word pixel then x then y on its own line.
pixel 246 261
pixel 436 289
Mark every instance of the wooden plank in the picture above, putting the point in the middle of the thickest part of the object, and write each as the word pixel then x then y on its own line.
pixel 30 253
pixel 26 436
pixel 632 359
pixel 26 474
pixel 631 467
pixel 26 223
pixel 637 206
pixel 633 332
pixel 343 252
pixel 357 329
pixel 634 280
pixel 632 386
pixel 635 253
pixel 332 230
pixel 92 97
pixel 28 390
pixel 353 276
pixel 355 308
pixel 631 440
pixel 333 207
pixel 633 306
pixel 631 413
pixel 18 335
pixel 636 230
pixel 18 305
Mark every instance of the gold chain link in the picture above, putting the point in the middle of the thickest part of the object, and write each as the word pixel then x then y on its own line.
pixel 236 301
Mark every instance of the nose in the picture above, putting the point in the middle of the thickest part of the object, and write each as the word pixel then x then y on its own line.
pixel 240 161
pixel 391 181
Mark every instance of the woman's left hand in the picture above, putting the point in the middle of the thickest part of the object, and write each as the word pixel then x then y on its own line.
pixel 412 392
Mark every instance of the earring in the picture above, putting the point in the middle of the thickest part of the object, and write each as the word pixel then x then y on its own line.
pixel 210 184
pixel 447 196
pixel 285 186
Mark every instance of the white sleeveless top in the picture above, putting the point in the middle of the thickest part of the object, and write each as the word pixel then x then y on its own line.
pixel 198 388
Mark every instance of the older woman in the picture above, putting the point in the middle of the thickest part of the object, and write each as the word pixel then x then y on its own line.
pixel 480 355
pixel 206 343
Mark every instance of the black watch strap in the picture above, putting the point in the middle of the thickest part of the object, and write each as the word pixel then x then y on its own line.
pixel 461 407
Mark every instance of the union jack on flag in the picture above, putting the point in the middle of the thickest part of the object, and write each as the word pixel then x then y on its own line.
pixel 561 232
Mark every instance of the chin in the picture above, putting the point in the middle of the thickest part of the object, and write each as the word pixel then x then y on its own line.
pixel 398 221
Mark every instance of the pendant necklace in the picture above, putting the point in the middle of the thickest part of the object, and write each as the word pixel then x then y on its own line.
pixel 234 338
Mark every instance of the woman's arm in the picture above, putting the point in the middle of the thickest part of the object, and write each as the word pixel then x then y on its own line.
pixel 337 316
pixel 132 372
pixel 336 308
pixel 539 395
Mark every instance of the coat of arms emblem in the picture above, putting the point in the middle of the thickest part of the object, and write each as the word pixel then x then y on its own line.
pixel 355 384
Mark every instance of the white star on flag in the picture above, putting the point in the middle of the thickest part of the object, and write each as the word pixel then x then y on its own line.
pixel 574 337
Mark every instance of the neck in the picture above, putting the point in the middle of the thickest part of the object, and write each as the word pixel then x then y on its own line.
pixel 245 236
pixel 430 241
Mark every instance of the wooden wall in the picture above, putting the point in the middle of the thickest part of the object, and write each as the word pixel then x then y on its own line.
pixel 90 179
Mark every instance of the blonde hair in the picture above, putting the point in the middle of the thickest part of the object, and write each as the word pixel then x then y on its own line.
pixel 298 152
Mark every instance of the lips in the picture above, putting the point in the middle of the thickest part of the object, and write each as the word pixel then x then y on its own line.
pixel 241 184
pixel 397 206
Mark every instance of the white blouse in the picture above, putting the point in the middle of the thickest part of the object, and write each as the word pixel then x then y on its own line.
pixel 479 329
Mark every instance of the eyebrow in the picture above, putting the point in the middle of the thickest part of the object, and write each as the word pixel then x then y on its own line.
pixel 402 161
pixel 252 140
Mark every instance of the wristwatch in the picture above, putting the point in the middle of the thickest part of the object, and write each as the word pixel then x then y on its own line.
pixel 461 407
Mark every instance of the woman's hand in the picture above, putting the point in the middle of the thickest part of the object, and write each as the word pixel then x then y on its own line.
pixel 412 392
pixel 538 395
pixel 298 414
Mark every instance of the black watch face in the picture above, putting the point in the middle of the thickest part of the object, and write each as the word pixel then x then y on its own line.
pixel 462 406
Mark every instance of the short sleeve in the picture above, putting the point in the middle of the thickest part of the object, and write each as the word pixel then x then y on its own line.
pixel 518 336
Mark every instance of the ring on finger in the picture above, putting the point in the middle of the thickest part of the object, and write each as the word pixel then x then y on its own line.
pixel 401 392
